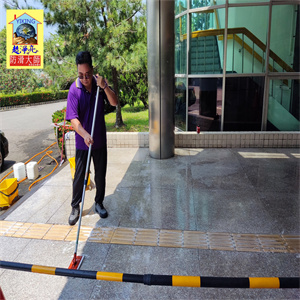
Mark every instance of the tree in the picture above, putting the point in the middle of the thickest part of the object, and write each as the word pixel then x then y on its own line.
pixel 110 30
pixel 58 67
pixel 133 88
pixel 114 31
pixel 133 75
pixel 3 45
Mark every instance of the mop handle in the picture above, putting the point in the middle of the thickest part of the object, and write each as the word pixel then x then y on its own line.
pixel 87 169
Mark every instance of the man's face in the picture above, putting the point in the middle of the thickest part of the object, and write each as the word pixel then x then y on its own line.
pixel 85 74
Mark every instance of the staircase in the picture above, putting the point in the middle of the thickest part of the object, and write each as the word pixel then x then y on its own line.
pixel 281 118
pixel 204 55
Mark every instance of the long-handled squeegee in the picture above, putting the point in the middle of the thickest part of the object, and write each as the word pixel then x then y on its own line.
pixel 77 260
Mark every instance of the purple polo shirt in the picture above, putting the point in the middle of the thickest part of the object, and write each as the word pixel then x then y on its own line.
pixel 80 105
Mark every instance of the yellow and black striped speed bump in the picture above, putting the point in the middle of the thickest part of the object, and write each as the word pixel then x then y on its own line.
pixel 165 280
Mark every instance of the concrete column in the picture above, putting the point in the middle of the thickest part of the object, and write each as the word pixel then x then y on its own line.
pixel 160 40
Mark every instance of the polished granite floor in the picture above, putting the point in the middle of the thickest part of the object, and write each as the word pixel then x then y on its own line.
pixel 236 191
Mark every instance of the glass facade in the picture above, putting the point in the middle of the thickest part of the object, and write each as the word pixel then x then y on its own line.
pixel 283 39
pixel 283 106
pixel 237 65
pixel 180 6
pixel 205 104
pixel 180 103
pixel 203 3
pixel 246 42
pixel 248 1
pixel 180 45
pixel 205 50
pixel 243 103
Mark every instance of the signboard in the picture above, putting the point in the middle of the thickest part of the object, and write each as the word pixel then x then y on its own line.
pixel 25 39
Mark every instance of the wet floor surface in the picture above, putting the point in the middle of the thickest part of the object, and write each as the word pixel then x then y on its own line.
pixel 205 193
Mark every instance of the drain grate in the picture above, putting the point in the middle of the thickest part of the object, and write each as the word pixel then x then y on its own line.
pixel 155 237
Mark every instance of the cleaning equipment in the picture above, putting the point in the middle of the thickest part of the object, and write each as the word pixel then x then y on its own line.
pixel 18 168
pixel 19 171
pixel 1 295
pixel 8 191
pixel 40 179
pixel 72 168
pixel 62 146
pixel 77 260
pixel 32 170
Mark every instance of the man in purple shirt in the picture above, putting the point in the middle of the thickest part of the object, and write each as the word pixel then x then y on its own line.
pixel 80 110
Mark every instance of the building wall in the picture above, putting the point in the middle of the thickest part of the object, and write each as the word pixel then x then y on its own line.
pixel 251 94
pixel 202 140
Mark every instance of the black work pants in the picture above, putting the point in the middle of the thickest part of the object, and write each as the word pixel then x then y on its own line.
pixel 100 164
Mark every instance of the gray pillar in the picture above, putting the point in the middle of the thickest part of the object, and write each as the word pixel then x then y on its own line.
pixel 160 35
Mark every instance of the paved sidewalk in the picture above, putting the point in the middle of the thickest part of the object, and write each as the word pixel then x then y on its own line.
pixel 223 197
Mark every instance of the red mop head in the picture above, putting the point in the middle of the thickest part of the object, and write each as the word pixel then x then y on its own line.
pixel 76 262
pixel 1 295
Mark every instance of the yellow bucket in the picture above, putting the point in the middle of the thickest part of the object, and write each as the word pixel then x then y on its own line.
pixel 8 191
pixel 72 167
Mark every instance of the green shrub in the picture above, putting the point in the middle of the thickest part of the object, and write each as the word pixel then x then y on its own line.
pixel 61 126
pixel 34 97
pixel 16 80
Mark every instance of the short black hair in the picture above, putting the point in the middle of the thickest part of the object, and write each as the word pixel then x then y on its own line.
pixel 84 57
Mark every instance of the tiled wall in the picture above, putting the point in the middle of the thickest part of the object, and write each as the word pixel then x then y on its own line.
pixel 237 139
pixel 202 140
pixel 128 139
pixel 114 140
pixel 70 144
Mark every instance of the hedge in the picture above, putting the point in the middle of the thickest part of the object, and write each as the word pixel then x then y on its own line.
pixel 35 97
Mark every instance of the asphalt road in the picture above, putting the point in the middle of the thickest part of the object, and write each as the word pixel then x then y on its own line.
pixel 29 131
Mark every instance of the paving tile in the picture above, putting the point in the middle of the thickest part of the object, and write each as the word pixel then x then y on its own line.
pixel 146 237
pixel 220 241
pixel 101 235
pixel 170 238
pixel 5 226
pixel 123 236
pixel 36 231
pixel 155 237
pixel 83 234
pixel 221 248
pixel 249 249
pixel 242 241
pixel 195 240
pixel 293 243
pixel 19 229
pixel 222 214
pixel 57 232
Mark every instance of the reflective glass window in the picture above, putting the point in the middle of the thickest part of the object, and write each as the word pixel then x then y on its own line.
pixel 180 6
pixel 243 103
pixel 247 1
pixel 283 107
pixel 205 104
pixel 206 42
pixel 180 44
pixel 247 39
pixel 180 103
pixel 284 43
pixel 203 3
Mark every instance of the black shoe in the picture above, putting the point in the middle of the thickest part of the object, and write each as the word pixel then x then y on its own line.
pixel 101 210
pixel 74 216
